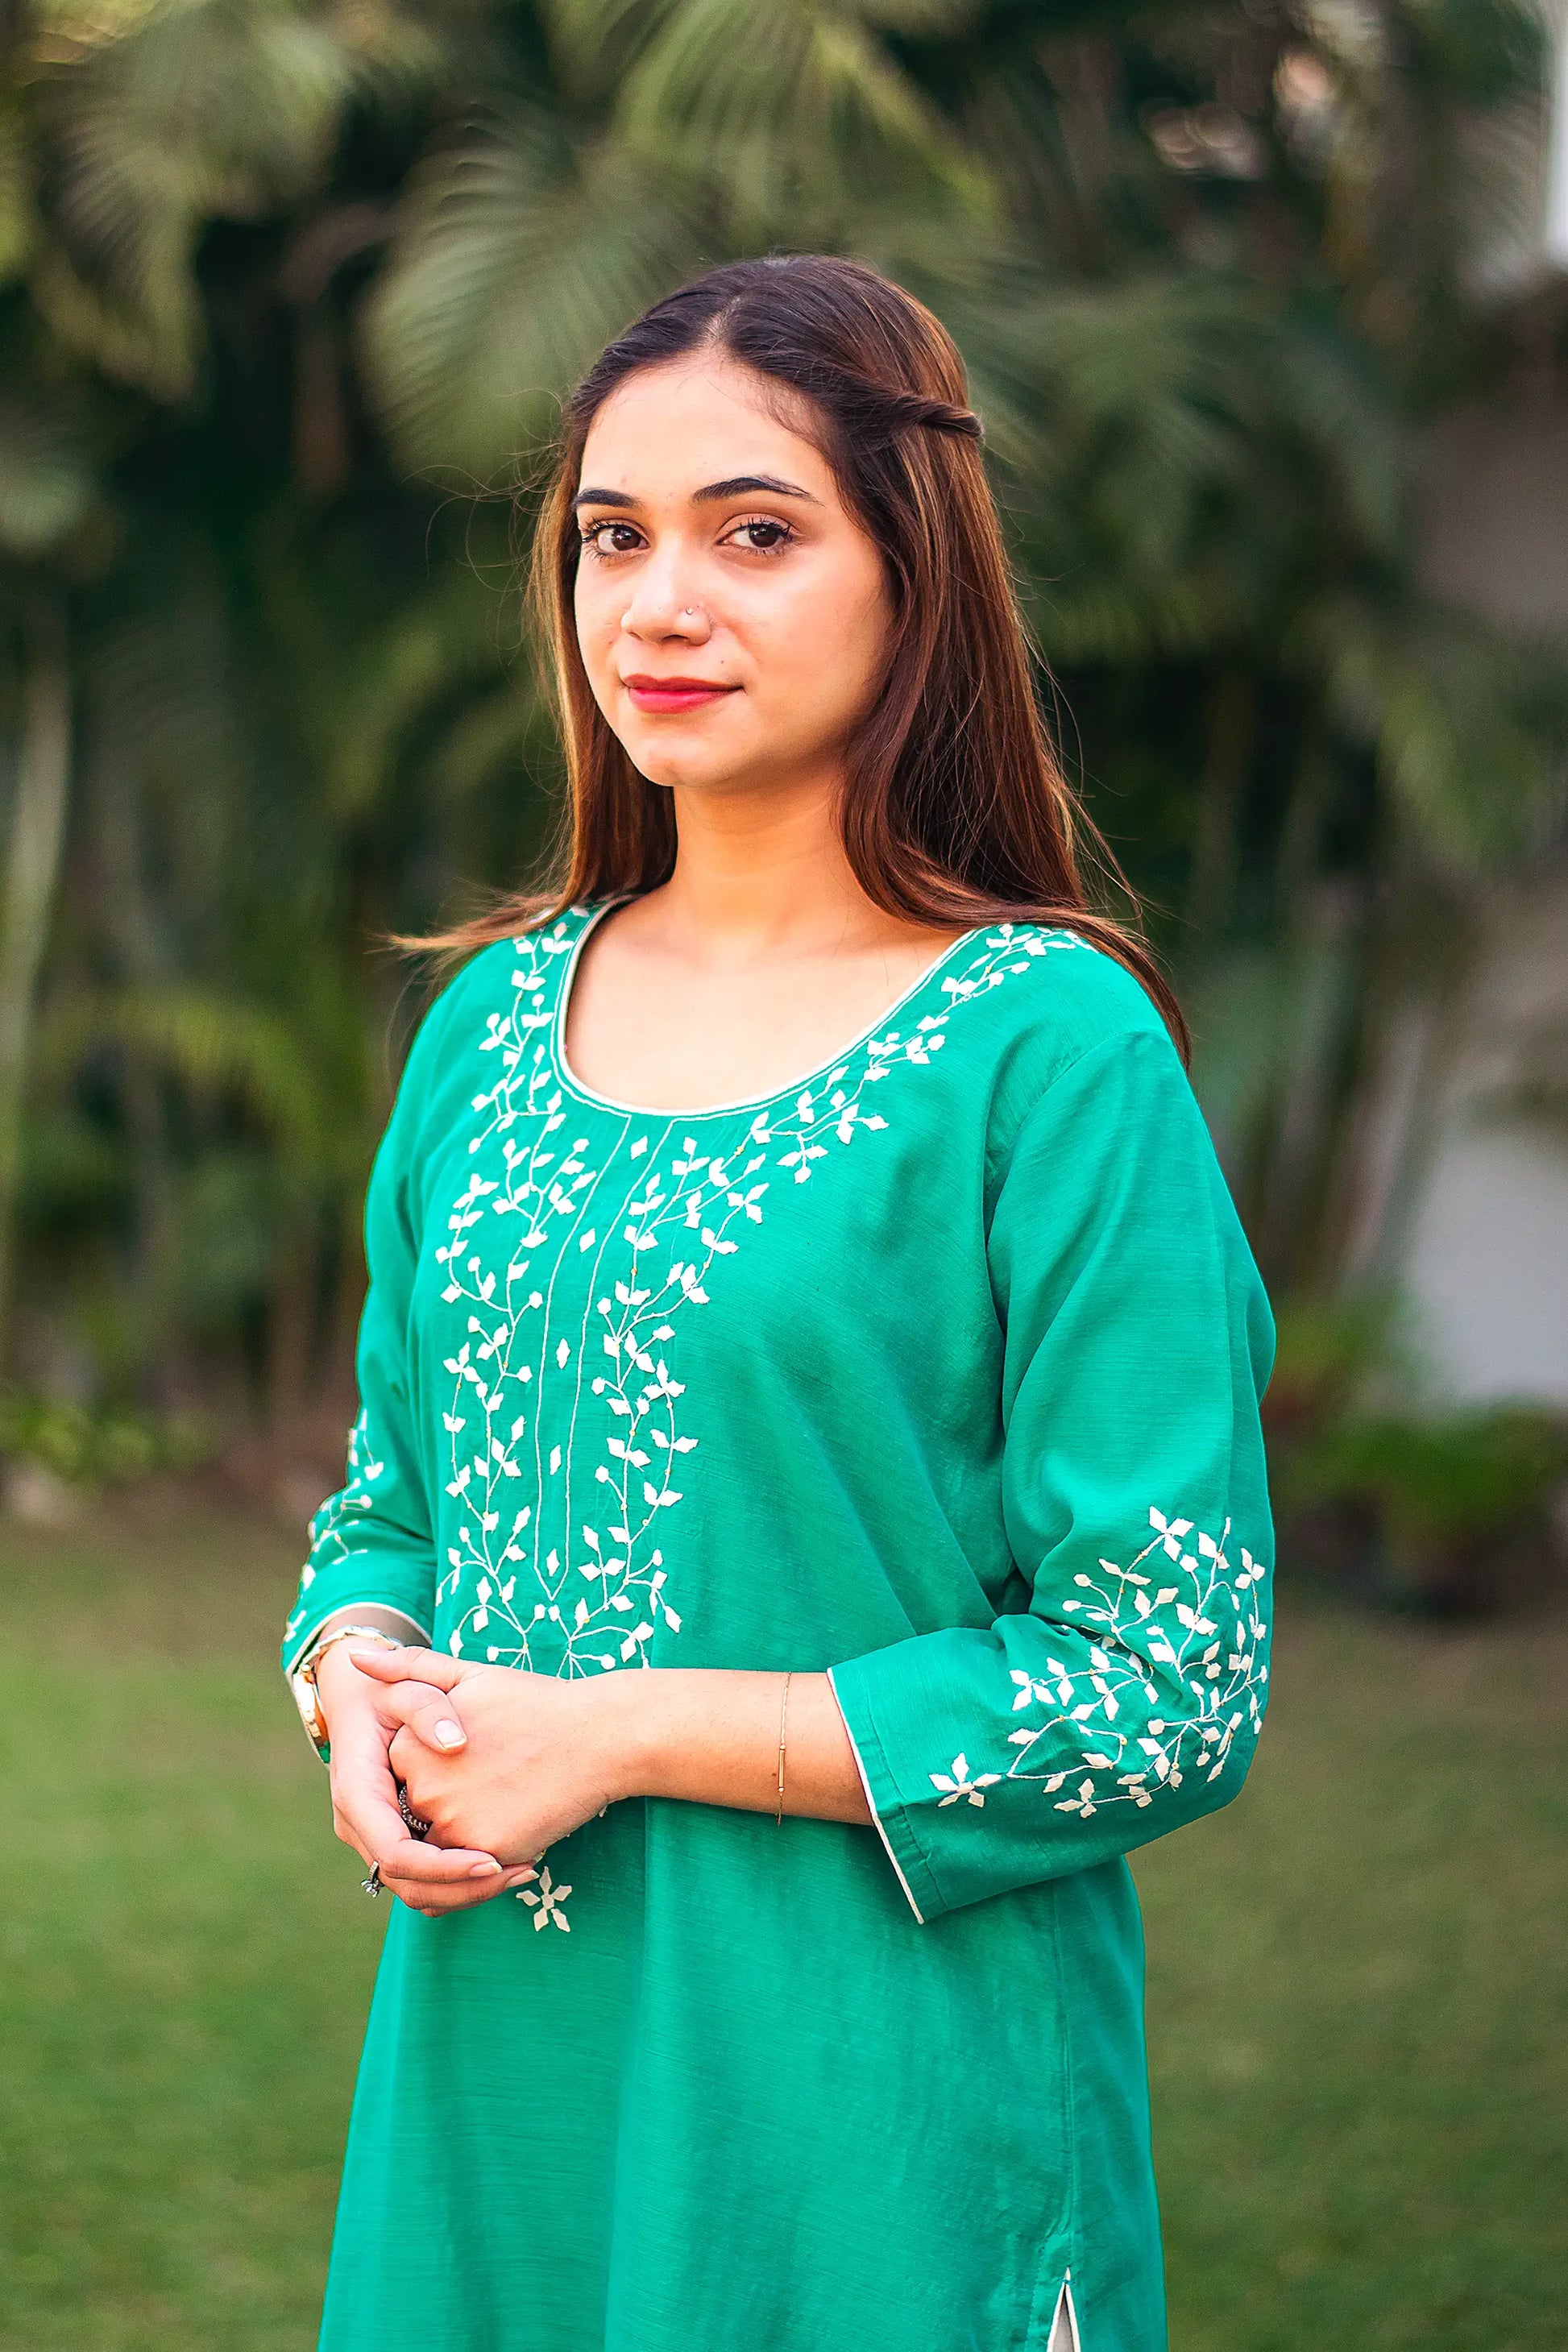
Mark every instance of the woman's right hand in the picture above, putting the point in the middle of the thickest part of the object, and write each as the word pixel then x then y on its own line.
pixel 361 1725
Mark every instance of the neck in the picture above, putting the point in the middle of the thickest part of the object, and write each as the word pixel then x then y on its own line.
pixel 761 870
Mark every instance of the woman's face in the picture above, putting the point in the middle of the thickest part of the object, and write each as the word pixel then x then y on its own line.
pixel 731 614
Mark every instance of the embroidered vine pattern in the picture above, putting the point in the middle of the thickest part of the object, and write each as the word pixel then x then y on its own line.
pixel 660 1213
pixel 332 1527
pixel 594 1600
pixel 1173 1674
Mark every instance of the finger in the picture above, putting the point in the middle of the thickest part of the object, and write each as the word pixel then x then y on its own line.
pixel 439 1902
pixel 413 1863
pixel 363 1817
pixel 409 1666
pixel 428 1713
pixel 435 1901
pixel 365 1803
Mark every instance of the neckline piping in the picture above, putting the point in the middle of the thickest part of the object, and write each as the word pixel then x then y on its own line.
pixel 589 1095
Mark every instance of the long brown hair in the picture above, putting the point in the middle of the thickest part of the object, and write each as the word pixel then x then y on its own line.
pixel 955 808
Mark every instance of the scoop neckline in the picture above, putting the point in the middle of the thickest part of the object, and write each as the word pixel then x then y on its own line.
pixel 568 1079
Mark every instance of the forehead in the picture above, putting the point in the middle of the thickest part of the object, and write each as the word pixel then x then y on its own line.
pixel 668 430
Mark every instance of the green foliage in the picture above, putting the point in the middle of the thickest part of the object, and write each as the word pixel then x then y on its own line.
pixel 1466 1476
pixel 1458 1505
pixel 95 1448
pixel 291 296
pixel 1445 1509
pixel 1325 1354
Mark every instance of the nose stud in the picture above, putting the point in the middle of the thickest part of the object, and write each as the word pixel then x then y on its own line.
pixel 688 613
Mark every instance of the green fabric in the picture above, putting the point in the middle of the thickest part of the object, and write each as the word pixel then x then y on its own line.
pixel 939 1371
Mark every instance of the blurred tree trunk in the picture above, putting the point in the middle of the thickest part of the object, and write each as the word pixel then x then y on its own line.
pixel 1216 847
pixel 292 1315
pixel 31 873
pixel 112 787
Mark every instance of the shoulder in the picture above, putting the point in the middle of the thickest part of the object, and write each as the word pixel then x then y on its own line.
pixel 1051 998
pixel 507 987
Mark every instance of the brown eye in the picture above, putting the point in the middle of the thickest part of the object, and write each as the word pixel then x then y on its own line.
pixel 623 535
pixel 766 535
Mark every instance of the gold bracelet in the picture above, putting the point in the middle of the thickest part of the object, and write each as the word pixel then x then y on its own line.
pixel 783 1719
pixel 302 1680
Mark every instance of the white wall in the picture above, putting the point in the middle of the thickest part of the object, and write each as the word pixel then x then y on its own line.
pixel 1488 1271
pixel 1486 1260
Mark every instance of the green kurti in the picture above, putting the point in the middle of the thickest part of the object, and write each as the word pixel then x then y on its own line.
pixel 940 1370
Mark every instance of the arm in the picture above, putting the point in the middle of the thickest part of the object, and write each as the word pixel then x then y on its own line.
pixel 1125 1696
pixel 372 1560
pixel 543 1756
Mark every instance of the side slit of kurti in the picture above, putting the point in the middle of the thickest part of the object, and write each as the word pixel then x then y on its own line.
pixel 1064 2327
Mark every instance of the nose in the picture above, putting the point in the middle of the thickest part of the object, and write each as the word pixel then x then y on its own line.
pixel 664 601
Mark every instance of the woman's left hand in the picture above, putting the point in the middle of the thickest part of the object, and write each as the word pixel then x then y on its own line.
pixel 541 1755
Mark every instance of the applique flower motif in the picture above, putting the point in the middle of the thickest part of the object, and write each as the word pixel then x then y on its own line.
pixel 958 1783
pixel 547 1897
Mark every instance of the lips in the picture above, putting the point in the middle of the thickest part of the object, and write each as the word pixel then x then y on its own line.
pixel 673 693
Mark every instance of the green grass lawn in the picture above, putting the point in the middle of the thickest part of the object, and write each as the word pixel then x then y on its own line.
pixel 1358 2009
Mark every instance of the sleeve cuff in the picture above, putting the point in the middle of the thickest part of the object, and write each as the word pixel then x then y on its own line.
pixel 307 1627
pixel 892 1821
pixel 399 1622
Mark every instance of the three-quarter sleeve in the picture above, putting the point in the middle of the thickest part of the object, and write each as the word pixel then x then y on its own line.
pixel 372 1542
pixel 1126 1699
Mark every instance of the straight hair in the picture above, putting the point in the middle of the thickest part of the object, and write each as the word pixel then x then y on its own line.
pixel 955 810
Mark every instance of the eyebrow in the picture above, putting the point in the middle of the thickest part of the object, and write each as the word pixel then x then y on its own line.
pixel 767 483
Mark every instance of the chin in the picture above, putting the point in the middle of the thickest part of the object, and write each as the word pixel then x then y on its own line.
pixel 663 764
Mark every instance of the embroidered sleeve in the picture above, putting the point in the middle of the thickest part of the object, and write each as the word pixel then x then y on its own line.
pixel 1125 1696
pixel 372 1541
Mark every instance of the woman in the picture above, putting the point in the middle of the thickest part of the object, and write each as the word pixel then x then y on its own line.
pixel 809 1335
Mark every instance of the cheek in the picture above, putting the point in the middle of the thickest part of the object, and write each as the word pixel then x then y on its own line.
pixel 595 628
pixel 824 641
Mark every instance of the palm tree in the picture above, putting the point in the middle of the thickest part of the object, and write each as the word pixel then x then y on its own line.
pixel 320 280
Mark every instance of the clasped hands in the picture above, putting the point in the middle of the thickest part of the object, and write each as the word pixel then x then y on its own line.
pixel 500 1764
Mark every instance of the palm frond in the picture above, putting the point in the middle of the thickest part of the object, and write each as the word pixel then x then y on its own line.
pixel 791 110
pixel 1446 704
pixel 209 1042
pixel 1104 622
pixel 206 110
pixel 49 473
pixel 519 251
pixel 19 222
pixel 396 674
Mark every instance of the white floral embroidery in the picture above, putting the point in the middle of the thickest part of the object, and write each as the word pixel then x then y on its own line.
pixel 958 1783
pixel 594 1601
pixel 531 1578
pixel 549 1898
pixel 332 1527
pixel 1175 1671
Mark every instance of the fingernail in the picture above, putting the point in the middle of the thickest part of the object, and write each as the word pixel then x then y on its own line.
pixel 448 1733
pixel 485 1870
